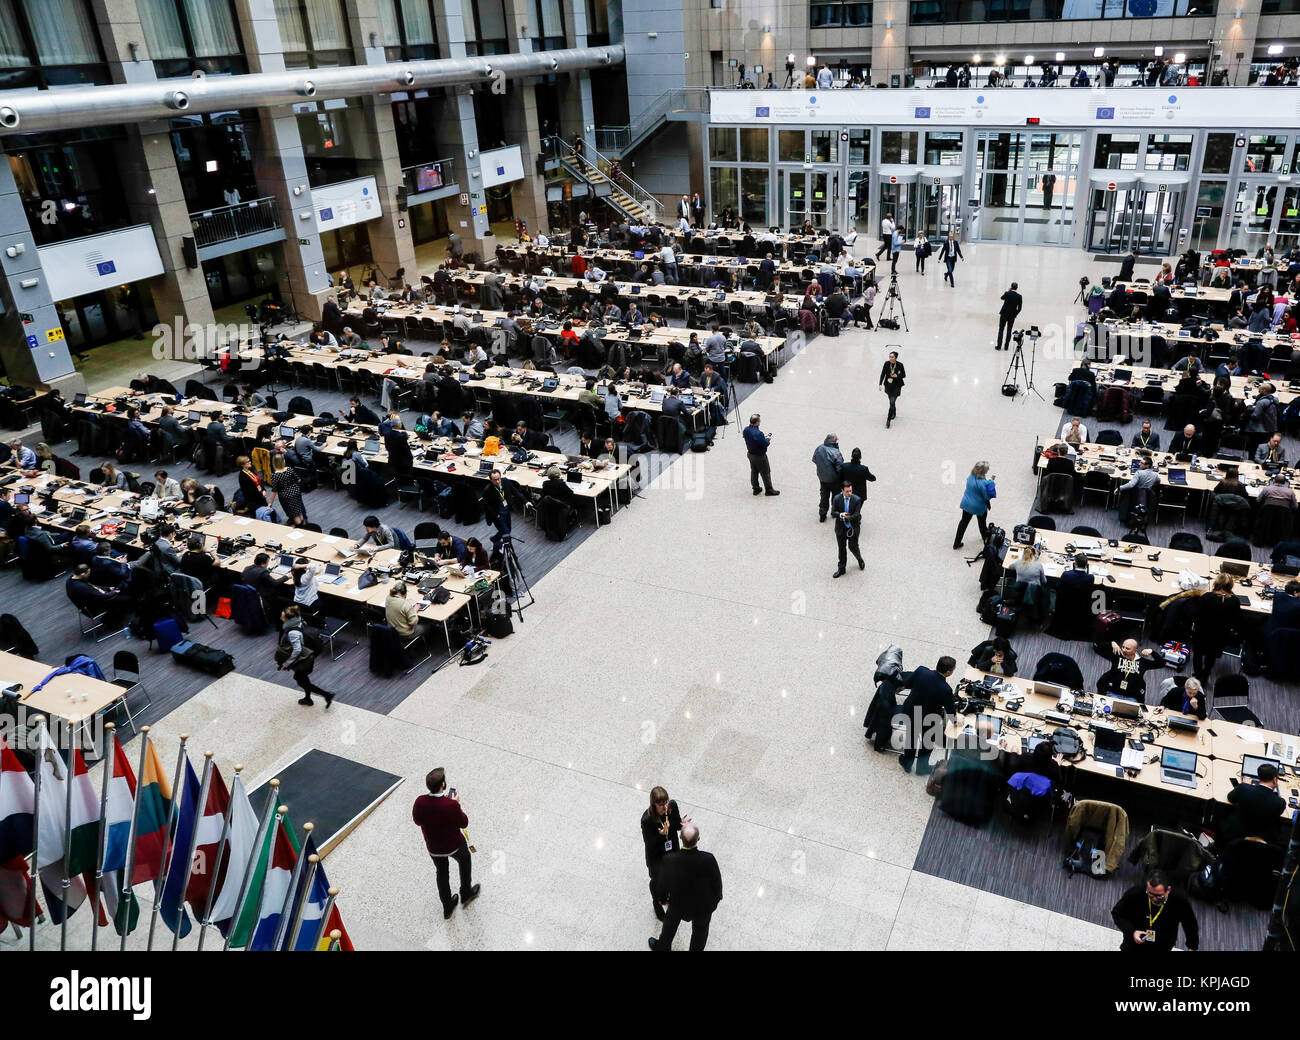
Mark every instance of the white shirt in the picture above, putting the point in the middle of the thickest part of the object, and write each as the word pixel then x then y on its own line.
pixel 669 257
pixel 543 241
pixel 1068 431
pixel 684 224
pixel 887 228
pixel 305 593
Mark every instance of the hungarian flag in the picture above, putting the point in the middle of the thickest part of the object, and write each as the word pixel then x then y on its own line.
pixel 17 808
pixel 335 923
pixel 155 794
pixel 275 888
pixel 205 876
pixel 239 850
pixel 172 908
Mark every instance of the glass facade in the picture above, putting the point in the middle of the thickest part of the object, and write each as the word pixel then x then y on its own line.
pixel 486 25
pixel 49 43
pixel 70 187
pixel 408 30
pixel 188 35
pixel 822 15
pixel 934 12
pixel 314 33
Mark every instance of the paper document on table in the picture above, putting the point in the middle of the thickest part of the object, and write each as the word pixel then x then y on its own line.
pixel 242 521
pixel 1131 759
pixel 1251 736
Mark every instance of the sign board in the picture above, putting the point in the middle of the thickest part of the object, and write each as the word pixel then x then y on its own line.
pixel 1162 187
pixel 893 180
pixel 54 335
pixel 31 342
pixel 1110 186
pixel 501 165
pixel 464 199
pixel 482 211
pixel 85 265
pixel 346 203
pixel 1204 211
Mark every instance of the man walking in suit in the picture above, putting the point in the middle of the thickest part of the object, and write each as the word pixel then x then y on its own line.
pixel 496 508
pixel 950 253
pixel 691 884
pixel 442 821
pixel 1011 304
pixel 847 510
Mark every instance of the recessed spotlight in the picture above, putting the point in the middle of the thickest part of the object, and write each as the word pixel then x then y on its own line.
pixel 1179 58
pixel 1060 56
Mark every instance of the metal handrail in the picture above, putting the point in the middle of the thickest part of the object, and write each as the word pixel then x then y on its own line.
pixel 687 99
pixel 624 184
pixel 227 223
pixel 420 176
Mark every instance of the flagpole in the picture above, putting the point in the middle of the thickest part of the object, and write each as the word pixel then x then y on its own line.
pixel 127 887
pixel 247 881
pixel 39 724
pixel 194 840
pixel 103 838
pixel 313 861
pixel 221 855
pixel 325 917
pixel 173 813
pixel 66 883
pixel 282 929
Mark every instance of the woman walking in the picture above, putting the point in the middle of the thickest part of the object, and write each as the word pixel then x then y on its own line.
pixel 892 377
pixel 285 484
pixel 294 653
pixel 975 502
pixel 922 249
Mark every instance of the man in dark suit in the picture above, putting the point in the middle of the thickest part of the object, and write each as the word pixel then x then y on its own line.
pixel 1185 443
pixel 331 318
pixel 496 508
pixel 359 413
pixel 691 884
pixel 1286 608
pixel 93 600
pixel 1146 438
pixel 1073 616
pixel 930 700
pixel 442 821
pixel 766 272
pixel 1255 809
pixel 106 571
pixel 1126 266
pixel 1012 301
pixel 171 427
pixel 846 508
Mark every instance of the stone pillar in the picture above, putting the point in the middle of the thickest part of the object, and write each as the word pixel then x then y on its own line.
pixel 149 176
pixel 391 246
pixel 889 41
pixel 1236 38
pixel 528 196
pixel 281 167
pixel 29 355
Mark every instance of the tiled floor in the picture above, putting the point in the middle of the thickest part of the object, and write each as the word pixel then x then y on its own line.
pixel 702 644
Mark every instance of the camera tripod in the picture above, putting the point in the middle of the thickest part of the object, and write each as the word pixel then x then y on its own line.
pixel 893 309
pixel 515 574
pixel 1019 366
pixel 789 75
pixel 1083 288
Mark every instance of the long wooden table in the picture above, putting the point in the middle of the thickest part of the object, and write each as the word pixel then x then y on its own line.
pixel 1132 339
pixel 1243 387
pixel 1216 742
pixel 1136 575
pixel 73 700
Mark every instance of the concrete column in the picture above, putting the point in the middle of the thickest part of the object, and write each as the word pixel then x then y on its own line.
pixel 281 168
pixel 889 41
pixel 29 355
pixel 149 176
pixel 1236 37
pixel 391 246
pixel 461 133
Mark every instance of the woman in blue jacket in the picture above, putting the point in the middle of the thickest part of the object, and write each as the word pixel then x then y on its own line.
pixel 975 502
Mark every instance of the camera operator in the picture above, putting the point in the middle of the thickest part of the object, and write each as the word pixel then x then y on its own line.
pixel 1012 302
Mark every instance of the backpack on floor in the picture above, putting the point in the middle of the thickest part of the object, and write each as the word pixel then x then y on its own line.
pixel 205 658
pixel 1088 856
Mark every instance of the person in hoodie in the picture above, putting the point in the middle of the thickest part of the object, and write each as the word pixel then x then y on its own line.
pixel 828 460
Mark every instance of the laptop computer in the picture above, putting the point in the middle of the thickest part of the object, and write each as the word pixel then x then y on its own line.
pixel 573 476
pixel 1184 723
pixel 78 399
pixel 1047 689
pixel 1122 708
pixel 1250 766
pixel 1178 767
pixel 1178 476
pixel 485 467
pixel 1122 375
pixel 371 445
pixel 1108 745
pixel 287 431
pixel 195 416
pixel 990 724
pixel 284 564
pixel 129 531
pixel 1235 568
pixel 656 396
pixel 22 500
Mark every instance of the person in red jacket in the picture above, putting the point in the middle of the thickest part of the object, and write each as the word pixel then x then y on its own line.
pixel 442 820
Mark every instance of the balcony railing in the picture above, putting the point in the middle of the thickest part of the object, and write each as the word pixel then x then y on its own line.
pixel 431 176
pixel 227 223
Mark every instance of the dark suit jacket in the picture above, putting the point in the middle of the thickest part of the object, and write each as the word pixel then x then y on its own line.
pixel 254 497
pixel 853 507
pixel 171 429
pixel 690 883
pixel 1011 304
pixel 930 694
pixel 1254 814
pixel 859 475
pixel 105 571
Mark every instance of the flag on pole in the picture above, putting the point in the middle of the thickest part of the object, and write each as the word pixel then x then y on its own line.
pixel 313 902
pixel 15 893
pixel 118 808
pixel 210 825
pixel 155 794
pixel 17 805
pixel 172 908
pixel 335 922
pixel 275 886
pixel 239 847
pixel 243 930
pixel 83 848
pixel 84 826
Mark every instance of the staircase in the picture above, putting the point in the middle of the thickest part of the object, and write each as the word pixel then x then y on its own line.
pixel 627 198
pixel 680 104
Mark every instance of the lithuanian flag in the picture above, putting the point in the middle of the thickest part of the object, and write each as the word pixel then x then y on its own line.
pixel 154 796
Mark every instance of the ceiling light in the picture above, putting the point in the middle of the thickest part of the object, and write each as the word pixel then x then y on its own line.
pixel 975 58
pixel 1179 58
pixel 1098 52
pixel 1274 49
pixel 811 61
pixel 1001 59
pixel 1029 59
pixel 1060 56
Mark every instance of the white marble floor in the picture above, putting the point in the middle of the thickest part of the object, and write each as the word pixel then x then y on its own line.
pixel 701 643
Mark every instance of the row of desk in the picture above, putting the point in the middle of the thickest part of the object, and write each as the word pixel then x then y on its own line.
pixel 1220 746
pixel 1137 378
pixel 1106 340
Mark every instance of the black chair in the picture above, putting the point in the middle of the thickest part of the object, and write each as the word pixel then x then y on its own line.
pixel 1042 523
pixel 1084 529
pixel 126 661
pixel 1233 551
pixel 1112 438
pixel 1185 541
pixel 313 528
pixel 338 532
pixel 426 534
pixel 1282 652
pixel 1135 538
pixel 1272 524
pixel 1059 668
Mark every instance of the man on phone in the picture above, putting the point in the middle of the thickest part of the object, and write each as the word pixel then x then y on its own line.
pixel 847 509
pixel 1012 301
pixel 443 821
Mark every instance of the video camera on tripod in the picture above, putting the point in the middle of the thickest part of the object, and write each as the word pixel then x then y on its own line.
pixel 893 313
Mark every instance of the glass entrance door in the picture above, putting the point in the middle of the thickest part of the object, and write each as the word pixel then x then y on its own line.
pixel 859 195
pixel 1136 217
pixel 896 202
pixel 938 207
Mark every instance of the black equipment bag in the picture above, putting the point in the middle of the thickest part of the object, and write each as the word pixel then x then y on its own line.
pixel 205 658
pixel 499 626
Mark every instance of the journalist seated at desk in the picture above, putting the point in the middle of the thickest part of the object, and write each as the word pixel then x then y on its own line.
pixel 1146 438
pixel 451 550
pixel 1278 491
pixel 91 599
pixel 1126 675
pixel 1271 451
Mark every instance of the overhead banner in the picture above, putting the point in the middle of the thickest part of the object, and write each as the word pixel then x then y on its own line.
pixel 501 165
pixel 1115 108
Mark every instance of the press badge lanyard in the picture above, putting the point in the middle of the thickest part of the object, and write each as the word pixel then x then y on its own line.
pixel 1151 921
pixel 668 841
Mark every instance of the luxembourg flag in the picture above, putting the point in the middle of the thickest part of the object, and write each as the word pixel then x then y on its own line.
pixel 17 806
pixel 275 887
